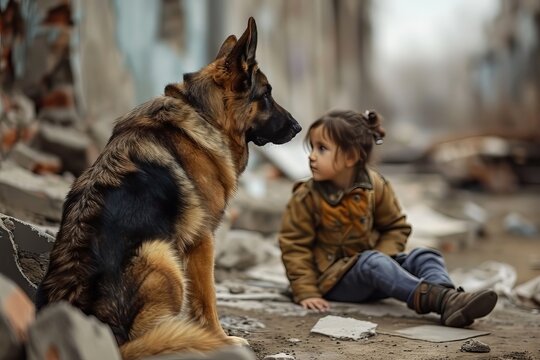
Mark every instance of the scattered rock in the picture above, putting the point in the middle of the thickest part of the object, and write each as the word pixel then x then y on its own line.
pixel 280 356
pixel 68 143
pixel 242 323
pixel 475 346
pixel 242 249
pixel 517 224
pixel 34 160
pixel 237 289
pixel 344 328
pixel 517 355
pixel 23 252
pixel 294 340
pixel 41 195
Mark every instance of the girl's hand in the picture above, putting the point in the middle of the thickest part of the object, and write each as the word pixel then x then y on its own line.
pixel 318 304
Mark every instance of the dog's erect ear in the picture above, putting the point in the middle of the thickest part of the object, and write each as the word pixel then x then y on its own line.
pixel 244 50
pixel 226 47
pixel 172 90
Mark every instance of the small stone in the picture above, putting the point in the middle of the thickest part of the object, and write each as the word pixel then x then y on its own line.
pixel 280 356
pixel 475 346
pixel 294 340
pixel 237 289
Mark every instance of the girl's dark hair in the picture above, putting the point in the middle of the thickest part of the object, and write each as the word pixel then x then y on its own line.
pixel 351 131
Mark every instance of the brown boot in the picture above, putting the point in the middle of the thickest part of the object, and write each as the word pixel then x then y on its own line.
pixel 457 308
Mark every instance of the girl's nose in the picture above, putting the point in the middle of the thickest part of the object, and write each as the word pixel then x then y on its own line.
pixel 312 155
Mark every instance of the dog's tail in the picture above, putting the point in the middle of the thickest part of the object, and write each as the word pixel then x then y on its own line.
pixel 174 335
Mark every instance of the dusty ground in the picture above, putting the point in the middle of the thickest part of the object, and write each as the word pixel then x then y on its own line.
pixel 513 336
pixel 515 333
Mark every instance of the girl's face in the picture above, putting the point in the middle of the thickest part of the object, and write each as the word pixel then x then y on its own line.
pixel 327 162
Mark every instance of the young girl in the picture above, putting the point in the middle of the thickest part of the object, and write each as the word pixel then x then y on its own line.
pixel 343 232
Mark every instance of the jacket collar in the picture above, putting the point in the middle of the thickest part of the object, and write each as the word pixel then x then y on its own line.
pixel 333 195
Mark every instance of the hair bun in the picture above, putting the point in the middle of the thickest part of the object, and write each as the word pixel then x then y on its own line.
pixel 373 121
pixel 371 117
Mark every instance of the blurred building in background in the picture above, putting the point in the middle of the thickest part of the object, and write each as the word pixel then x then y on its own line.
pixel 70 68
pixel 507 76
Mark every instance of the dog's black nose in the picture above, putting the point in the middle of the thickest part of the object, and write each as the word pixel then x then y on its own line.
pixel 296 126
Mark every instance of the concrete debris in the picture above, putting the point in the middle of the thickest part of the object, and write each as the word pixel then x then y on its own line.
pixel 436 333
pixel 68 143
pixel 290 158
pixel 270 307
pixel 60 116
pixel 283 306
pixel 242 323
pixel 237 289
pixel 344 328
pixel 241 249
pixel 257 297
pixel 475 213
pixel 280 356
pixel 445 232
pixel 232 291
pixel 272 272
pixel 494 275
pixel 34 160
pixel 517 224
pixel 17 120
pixel 17 239
pixel 255 215
pixel 475 346
pixel 529 290
pixel 496 163
pixel 41 195
pixel 294 340
pixel 517 355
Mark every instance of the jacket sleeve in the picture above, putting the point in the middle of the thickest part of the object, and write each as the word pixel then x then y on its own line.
pixel 389 220
pixel 296 240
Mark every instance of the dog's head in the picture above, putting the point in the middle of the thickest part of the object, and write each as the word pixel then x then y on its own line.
pixel 235 93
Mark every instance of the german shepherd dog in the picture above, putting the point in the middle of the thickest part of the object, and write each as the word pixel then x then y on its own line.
pixel 135 245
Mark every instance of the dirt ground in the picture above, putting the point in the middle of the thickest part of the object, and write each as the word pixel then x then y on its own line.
pixel 514 332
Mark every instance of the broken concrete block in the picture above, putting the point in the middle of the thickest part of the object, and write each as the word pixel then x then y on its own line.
pixel 17 239
pixel 280 356
pixel 494 275
pixel 69 144
pixel 59 116
pixel 17 120
pixel 517 224
pixel 475 346
pixel 240 249
pixel 34 160
pixel 529 290
pixel 263 212
pixel 344 328
pixel 41 195
pixel 450 234
pixel 436 333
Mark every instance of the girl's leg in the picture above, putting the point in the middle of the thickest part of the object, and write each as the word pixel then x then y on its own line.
pixel 374 276
pixel 426 264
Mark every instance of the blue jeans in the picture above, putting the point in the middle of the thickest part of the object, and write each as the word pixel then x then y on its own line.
pixel 377 276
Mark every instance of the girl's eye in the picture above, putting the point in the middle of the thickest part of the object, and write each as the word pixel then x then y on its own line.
pixel 322 148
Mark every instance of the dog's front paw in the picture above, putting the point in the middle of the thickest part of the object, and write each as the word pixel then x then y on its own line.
pixel 235 340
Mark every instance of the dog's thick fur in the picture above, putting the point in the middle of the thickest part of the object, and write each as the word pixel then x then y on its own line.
pixel 135 246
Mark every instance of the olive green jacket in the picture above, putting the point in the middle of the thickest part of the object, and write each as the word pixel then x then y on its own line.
pixel 324 230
